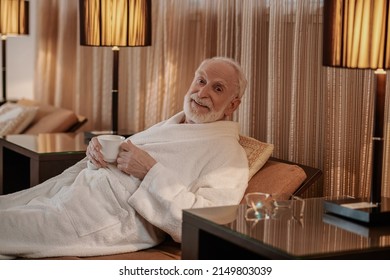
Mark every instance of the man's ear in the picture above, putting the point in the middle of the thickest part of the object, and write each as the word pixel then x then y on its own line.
pixel 233 105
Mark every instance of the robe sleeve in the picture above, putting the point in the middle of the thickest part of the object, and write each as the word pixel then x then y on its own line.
pixel 161 197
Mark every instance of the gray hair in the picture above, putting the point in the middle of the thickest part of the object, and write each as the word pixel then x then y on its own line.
pixel 237 67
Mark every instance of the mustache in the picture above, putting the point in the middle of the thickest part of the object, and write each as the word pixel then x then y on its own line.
pixel 203 102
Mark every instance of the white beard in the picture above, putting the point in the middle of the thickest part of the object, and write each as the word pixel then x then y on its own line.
pixel 198 117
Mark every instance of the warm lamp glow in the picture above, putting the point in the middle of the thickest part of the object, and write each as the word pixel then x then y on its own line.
pixel 13 17
pixel 357 34
pixel 13 21
pixel 115 23
pixel 119 23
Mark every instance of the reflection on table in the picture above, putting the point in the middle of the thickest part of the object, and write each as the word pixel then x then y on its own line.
pixel 313 233
pixel 49 142
pixel 224 232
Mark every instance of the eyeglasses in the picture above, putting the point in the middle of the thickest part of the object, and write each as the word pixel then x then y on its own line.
pixel 263 206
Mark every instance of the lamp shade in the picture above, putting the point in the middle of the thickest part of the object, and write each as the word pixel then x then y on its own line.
pixel 356 34
pixel 120 23
pixel 14 17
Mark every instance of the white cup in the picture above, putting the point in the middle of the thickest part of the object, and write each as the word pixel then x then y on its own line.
pixel 110 146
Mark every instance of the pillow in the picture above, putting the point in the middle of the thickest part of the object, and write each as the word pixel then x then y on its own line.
pixel 14 118
pixel 49 118
pixel 276 177
pixel 257 152
pixel 58 121
pixel 43 109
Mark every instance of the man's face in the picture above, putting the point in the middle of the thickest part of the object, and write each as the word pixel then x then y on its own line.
pixel 212 94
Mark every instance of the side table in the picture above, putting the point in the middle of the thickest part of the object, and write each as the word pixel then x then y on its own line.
pixel 27 160
pixel 224 233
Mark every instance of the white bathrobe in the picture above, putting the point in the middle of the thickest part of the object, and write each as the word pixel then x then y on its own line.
pixel 85 212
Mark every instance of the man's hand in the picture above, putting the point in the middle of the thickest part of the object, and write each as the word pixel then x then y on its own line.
pixel 94 153
pixel 134 161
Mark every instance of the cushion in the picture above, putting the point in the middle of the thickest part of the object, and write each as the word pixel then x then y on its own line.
pixel 49 118
pixel 257 152
pixel 14 118
pixel 277 177
pixel 58 121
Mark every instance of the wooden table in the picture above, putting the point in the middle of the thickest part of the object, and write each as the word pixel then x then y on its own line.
pixel 27 160
pixel 224 233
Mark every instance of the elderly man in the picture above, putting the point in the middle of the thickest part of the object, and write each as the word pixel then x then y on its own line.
pixel 191 160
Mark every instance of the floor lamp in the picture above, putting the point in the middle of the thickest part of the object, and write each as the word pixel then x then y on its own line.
pixel 125 23
pixel 357 36
pixel 13 22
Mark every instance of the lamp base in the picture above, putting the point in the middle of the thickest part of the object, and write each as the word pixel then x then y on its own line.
pixel 360 210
